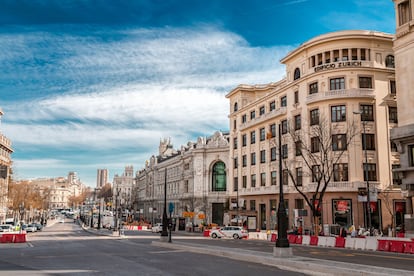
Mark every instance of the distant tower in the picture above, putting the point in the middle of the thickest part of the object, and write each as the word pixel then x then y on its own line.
pixel 72 178
pixel 403 135
pixel 102 178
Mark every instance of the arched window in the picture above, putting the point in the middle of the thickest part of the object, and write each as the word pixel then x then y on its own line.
pixel 296 75
pixel 389 61
pixel 219 177
pixel 236 107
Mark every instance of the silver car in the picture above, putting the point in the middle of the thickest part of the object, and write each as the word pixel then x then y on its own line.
pixel 235 232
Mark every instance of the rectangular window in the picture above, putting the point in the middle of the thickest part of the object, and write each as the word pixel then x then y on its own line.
pixel 404 13
pixel 235 143
pixel 273 154
pixel 393 88
pixel 339 142
pixel 244 118
pixel 284 126
pixel 393 147
pixel 410 155
pixel 344 54
pixel 298 148
pixel 234 124
pixel 253 158
pixel 262 110
pixel 392 115
pixel 368 141
pixel 262 134
pixel 315 173
pixel 263 179
pixel 284 151
pixel 236 184
pixel 365 82
pixel 236 162
pixel 283 101
pixel 244 140
pixel 299 177
pixel 364 53
pixel 354 54
pixel 338 113
pixel 371 170
pixel 367 112
pixel 253 137
pixel 296 97
pixel 263 156
pixel 244 181
pixel 314 144
pixel 314 117
pixel 244 160
pixel 273 178
pixel 396 180
pixel 272 105
pixel 253 180
pixel 252 205
pixel 299 203
pixel 285 176
pixel 298 123
pixel 273 130
pixel 313 88
pixel 252 115
pixel 337 84
pixel 340 172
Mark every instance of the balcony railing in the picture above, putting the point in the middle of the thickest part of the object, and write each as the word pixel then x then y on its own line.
pixel 340 94
pixel 267 116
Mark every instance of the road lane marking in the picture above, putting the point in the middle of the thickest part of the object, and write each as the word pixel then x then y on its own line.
pixel 385 256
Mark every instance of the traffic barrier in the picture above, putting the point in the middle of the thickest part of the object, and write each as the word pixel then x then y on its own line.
pixel 7 238
pixel 292 239
pixel 409 247
pixel 371 243
pixel 350 243
pixel 330 241
pixel 19 238
pixel 383 245
pixel 206 233
pixel 274 237
pixel 322 241
pixel 299 239
pixel 305 240
pixel 397 246
pixel 340 242
pixel 360 243
pixel 313 240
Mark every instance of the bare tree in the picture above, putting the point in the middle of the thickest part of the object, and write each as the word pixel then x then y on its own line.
pixel 320 152
pixel 386 197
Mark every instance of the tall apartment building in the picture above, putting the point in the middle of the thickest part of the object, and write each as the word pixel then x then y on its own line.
pixel 344 79
pixel 196 178
pixel 403 135
pixel 101 178
pixel 5 169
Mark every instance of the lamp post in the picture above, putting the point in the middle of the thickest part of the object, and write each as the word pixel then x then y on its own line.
pixel 282 240
pixel 164 232
pixel 366 171
pixel 236 183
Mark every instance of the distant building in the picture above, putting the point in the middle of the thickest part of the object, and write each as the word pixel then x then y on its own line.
pixel 101 178
pixel 196 179
pixel 5 171
pixel 123 188
pixel 403 135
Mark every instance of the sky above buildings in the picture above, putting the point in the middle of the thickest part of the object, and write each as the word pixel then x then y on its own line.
pixel 94 84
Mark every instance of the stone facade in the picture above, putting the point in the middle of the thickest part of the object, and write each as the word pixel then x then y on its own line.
pixel 123 187
pixel 5 171
pixel 196 178
pixel 332 77
pixel 403 135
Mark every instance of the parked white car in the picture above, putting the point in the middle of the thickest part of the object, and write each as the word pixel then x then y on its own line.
pixel 29 227
pixel 157 228
pixel 235 232
pixel 6 228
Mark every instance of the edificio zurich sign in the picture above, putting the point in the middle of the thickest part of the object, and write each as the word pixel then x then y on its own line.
pixel 330 66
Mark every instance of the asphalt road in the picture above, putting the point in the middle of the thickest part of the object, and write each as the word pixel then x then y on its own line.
pixel 64 248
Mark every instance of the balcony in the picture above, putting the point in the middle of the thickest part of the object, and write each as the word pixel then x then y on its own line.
pixel 341 94
pixel 267 116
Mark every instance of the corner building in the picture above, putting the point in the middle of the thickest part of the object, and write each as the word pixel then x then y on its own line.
pixel 333 76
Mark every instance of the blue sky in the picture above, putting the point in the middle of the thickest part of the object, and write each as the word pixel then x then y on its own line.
pixel 94 84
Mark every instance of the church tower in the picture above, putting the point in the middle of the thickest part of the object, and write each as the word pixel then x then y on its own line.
pixel 403 135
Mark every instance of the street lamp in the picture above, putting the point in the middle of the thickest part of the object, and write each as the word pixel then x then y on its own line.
pixel 237 190
pixel 282 221
pixel 164 232
pixel 366 171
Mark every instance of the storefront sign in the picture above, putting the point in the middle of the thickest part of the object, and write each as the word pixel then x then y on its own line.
pixel 335 65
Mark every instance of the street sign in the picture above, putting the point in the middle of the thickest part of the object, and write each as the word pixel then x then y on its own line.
pixel 171 207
